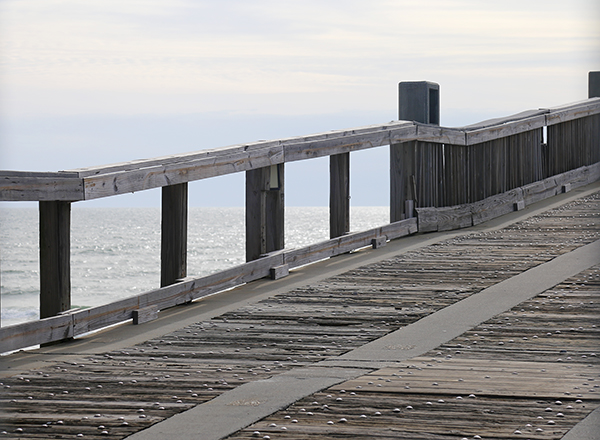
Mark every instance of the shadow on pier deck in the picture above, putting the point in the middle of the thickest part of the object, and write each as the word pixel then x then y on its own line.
pixel 489 332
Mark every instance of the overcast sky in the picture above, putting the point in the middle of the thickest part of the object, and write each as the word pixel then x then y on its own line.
pixel 87 83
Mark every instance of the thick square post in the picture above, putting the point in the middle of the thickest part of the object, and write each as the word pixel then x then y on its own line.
pixel 55 257
pixel 339 194
pixel 264 210
pixel 594 84
pixel 173 241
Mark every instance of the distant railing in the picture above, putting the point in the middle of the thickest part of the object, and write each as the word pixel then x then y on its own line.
pixel 450 177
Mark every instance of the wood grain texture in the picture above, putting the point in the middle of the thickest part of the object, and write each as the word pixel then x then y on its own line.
pixel 28 186
pixel 55 257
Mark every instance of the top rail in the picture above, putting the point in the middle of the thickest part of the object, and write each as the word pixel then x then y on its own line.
pixel 138 175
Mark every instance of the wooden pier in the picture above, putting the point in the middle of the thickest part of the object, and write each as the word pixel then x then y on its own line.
pixel 516 365
pixel 473 314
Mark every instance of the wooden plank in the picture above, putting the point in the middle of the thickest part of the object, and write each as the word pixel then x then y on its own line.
pixel 454 217
pixel 570 112
pixel 121 182
pixel 28 186
pixel 351 141
pixel 400 229
pixel 55 257
pixel 173 239
pixel 427 219
pixel 15 337
pixel 441 135
pixel 339 194
pixel 479 136
pixel 497 205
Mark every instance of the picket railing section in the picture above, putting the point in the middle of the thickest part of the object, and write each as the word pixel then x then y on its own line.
pixel 461 170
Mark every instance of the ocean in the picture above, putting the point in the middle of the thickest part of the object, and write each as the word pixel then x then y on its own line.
pixel 115 252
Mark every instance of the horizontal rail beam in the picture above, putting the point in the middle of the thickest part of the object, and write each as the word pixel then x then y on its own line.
pixel 139 175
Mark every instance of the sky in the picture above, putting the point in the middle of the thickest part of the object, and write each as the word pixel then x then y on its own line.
pixel 88 83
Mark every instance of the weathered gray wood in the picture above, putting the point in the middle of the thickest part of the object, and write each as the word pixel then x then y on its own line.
pixel 399 229
pixel 402 171
pixel 460 216
pixel 42 331
pixel 173 255
pixel 576 110
pixel 145 314
pixel 496 205
pixel 339 194
pixel 511 128
pixel 442 135
pixel 351 140
pixel 55 257
pixel 30 186
pixel 122 182
pixel 275 209
pixel 264 211
pixel 379 242
pixel 279 272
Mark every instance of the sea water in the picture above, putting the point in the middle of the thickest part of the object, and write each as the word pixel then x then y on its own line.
pixel 115 252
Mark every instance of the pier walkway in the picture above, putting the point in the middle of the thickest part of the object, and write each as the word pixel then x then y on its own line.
pixel 486 332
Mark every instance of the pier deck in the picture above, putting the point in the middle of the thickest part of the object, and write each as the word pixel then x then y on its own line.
pixel 490 332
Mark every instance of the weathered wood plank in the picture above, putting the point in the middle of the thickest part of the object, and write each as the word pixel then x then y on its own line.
pixel 351 141
pixel 29 186
pixel 570 112
pixel 496 206
pixel 508 129
pixel 121 182
pixel 442 135
pixel 32 333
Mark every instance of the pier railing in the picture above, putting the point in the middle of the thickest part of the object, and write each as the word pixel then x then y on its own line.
pixel 440 178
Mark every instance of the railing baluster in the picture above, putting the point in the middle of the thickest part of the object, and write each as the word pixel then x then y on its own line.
pixel 264 211
pixel 339 194
pixel 55 257
pixel 173 254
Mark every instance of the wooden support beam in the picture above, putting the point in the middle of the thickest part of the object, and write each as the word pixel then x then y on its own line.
pixel 264 211
pixel 55 257
pixel 173 254
pixel 339 194
pixel 402 180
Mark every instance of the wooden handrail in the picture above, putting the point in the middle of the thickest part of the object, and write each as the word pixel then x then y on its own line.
pixel 109 180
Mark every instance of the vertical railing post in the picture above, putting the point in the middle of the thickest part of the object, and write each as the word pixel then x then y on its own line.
pixel 173 254
pixel 339 194
pixel 264 210
pixel 55 257
pixel 418 101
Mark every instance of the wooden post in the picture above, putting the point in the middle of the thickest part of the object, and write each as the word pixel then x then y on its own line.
pixel 339 194
pixel 264 211
pixel 55 257
pixel 173 254
pixel 402 179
